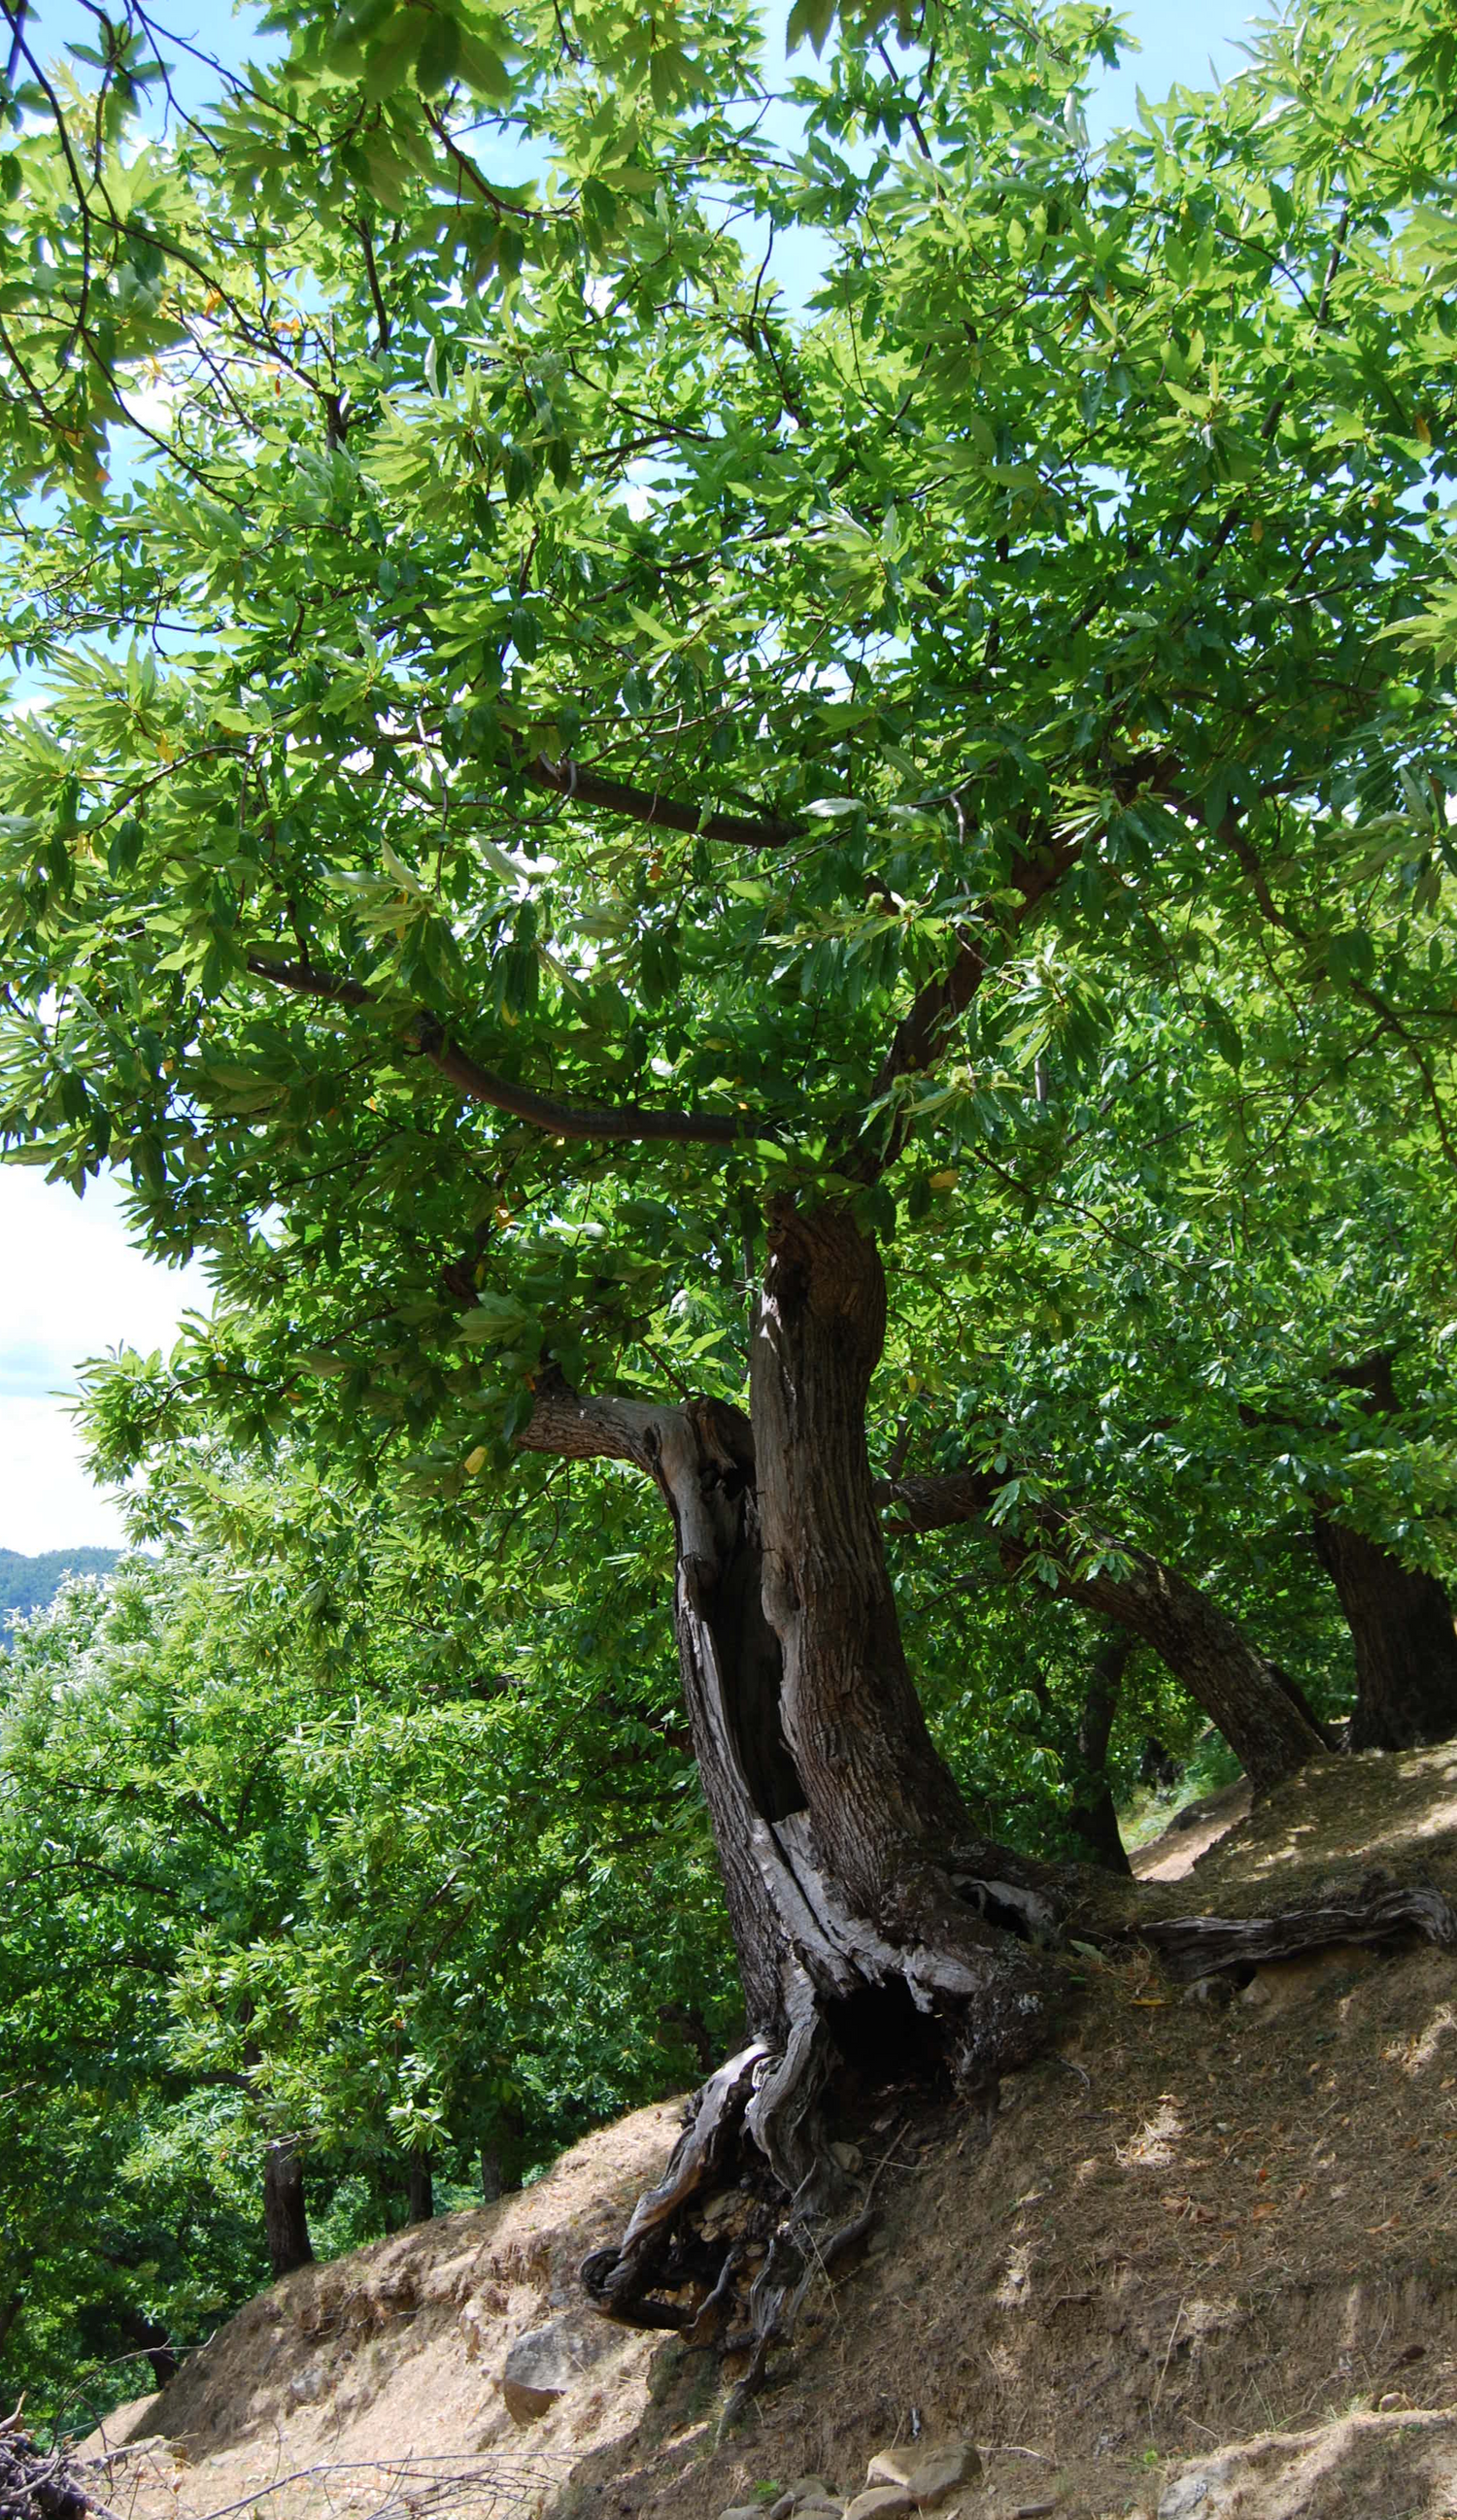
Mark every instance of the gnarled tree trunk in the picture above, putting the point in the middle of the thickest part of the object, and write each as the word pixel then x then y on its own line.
pixel 1405 1642
pixel 874 1928
pixel 903 1890
pixel 870 1919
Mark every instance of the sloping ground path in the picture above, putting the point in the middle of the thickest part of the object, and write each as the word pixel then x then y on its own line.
pixel 373 2384
pixel 1191 1835
pixel 1197 2228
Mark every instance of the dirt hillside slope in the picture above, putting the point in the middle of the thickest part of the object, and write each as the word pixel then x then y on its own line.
pixel 1204 2264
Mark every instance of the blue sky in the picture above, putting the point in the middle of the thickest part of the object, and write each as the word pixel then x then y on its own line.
pixel 1189 46
pixel 69 1284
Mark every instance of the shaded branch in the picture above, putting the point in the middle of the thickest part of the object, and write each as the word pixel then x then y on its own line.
pixel 569 778
pixel 629 1124
pixel 923 1031
pixel 1260 1711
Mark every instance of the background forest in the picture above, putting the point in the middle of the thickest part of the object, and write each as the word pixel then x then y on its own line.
pixel 530 710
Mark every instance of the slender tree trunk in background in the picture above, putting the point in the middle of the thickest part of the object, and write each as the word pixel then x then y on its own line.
pixel 695 2029
pixel 1093 1817
pixel 419 2192
pixel 1401 1622
pixel 503 2153
pixel 285 2222
pixel 1405 1642
pixel 1260 1713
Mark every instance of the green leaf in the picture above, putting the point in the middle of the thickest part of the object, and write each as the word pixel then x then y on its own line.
pixel 482 69
pixel 388 56
pixel 440 54
pixel 1223 1032
pixel 1350 958
pixel 812 17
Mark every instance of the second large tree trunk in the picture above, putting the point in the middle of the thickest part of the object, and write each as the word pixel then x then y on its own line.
pixel 1405 1642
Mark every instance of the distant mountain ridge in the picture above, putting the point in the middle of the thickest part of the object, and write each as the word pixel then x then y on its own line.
pixel 33 1583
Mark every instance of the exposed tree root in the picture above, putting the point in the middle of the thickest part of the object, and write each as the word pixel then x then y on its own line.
pixel 660 2253
pixel 1194 1947
pixel 758 2200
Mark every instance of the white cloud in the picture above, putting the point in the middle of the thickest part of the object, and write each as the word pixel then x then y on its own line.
pixel 46 1500
pixel 71 1287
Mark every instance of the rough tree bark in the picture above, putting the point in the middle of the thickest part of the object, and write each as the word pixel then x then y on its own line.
pixel 903 1887
pixel 284 2221
pixel 876 1931
pixel 1405 1642
pixel 1257 1708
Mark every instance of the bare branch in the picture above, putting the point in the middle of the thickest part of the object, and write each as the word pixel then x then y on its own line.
pixel 581 1426
pixel 1260 1711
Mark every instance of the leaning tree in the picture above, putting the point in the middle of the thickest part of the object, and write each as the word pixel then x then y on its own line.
pixel 609 640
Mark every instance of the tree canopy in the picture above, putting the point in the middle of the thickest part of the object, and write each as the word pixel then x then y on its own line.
pixel 528 668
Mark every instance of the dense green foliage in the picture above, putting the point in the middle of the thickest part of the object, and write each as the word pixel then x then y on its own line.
pixel 304 1831
pixel 552 745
